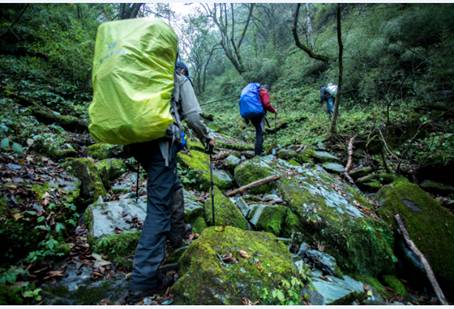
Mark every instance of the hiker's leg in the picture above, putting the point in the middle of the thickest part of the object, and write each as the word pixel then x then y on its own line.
pixel 178 226
pixel 330 105
pixel 258 124
pixel 150 250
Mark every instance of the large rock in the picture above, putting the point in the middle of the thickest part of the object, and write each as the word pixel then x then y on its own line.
pixel 252 170
pixel 430 226
pixel 114 227
pixel 278 220
pixel 209 277
pixel 92 186
pixel 103 151
pixel 331 212
pixel 110 169
pixel 53 145
pixel 225 211
pixel 323 156
pixel 330 290
pixel 199 163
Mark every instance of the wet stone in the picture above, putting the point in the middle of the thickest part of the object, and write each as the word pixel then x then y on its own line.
pixel 330 290
pixel 333 167
pixel 320 260
pixel 323 156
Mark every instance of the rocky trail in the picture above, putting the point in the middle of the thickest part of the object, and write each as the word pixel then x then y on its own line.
pixel 307 237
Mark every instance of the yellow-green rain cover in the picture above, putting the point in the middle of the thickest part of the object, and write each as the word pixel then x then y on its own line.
pixel 133 74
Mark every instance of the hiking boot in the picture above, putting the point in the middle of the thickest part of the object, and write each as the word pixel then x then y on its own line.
pixel 165 281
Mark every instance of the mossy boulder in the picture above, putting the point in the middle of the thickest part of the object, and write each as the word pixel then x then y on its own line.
pixel 195 144
pixel 208 278
pixel 252 170
pixel 110 169
pixel 119 248
pixel 198 163
pixel 430 225
pixel 85 169
pixel 396 285
pixel 226 212
pixel 101 151
pixel 53 145
pixel 331 212
pixel 275 219
pixel 199 224
pixel 194 212
pixel 232 161
pixel 324 156
pixel 303 156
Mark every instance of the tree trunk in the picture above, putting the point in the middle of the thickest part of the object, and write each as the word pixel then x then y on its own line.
pixel 129 10
pixel 333 129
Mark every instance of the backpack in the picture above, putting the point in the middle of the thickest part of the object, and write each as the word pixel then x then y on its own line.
pixel 250 103
pixel 331 89
pixel 133 81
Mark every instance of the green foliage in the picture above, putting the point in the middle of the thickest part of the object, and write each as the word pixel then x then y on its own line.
pixel 288 293
pixel 15 291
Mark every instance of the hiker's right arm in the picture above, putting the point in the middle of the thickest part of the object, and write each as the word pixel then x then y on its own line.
pixel 265 98
pixel 191 112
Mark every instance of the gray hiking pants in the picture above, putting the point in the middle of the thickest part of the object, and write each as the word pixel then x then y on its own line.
pixel 165 214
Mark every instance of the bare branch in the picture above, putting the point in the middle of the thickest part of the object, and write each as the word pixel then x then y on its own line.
pixel 299 44
pixel 251 8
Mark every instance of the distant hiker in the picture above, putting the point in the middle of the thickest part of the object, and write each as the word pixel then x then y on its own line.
pixel 328 93
pixel 140 96
pixel 254 102
pixel 165 210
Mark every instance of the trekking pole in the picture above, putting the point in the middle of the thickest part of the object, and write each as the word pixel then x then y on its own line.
pixel 210 151
pixel 137 182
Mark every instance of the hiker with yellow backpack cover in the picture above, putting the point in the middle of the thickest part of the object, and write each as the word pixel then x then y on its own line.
pixel 140 96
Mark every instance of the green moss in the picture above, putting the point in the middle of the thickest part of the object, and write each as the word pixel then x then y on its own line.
pixel 54 146
pixel 195 144
pixel 306 155
pixel 394 283
pixel 40 190
pixel 268 218
pixel 103 151
pixel 92 186
pixel 199 163
pixel 226 213
pixel 374 283
pixel 206 279
pixel 291 224
pixel 252 170
pixel 430 226
pixel 199 225
pixel 118 247
pixel 110 169
pixel 360 244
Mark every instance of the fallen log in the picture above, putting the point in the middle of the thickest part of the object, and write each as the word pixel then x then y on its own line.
pixel 429 273
pixel 48 116
pixel 252 185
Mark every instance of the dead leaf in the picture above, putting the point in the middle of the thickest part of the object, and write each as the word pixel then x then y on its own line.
pixel 229 258
pixel 46 199
pixel 54 273
pixel 246 301
pixel 17 216
pixel 244 254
